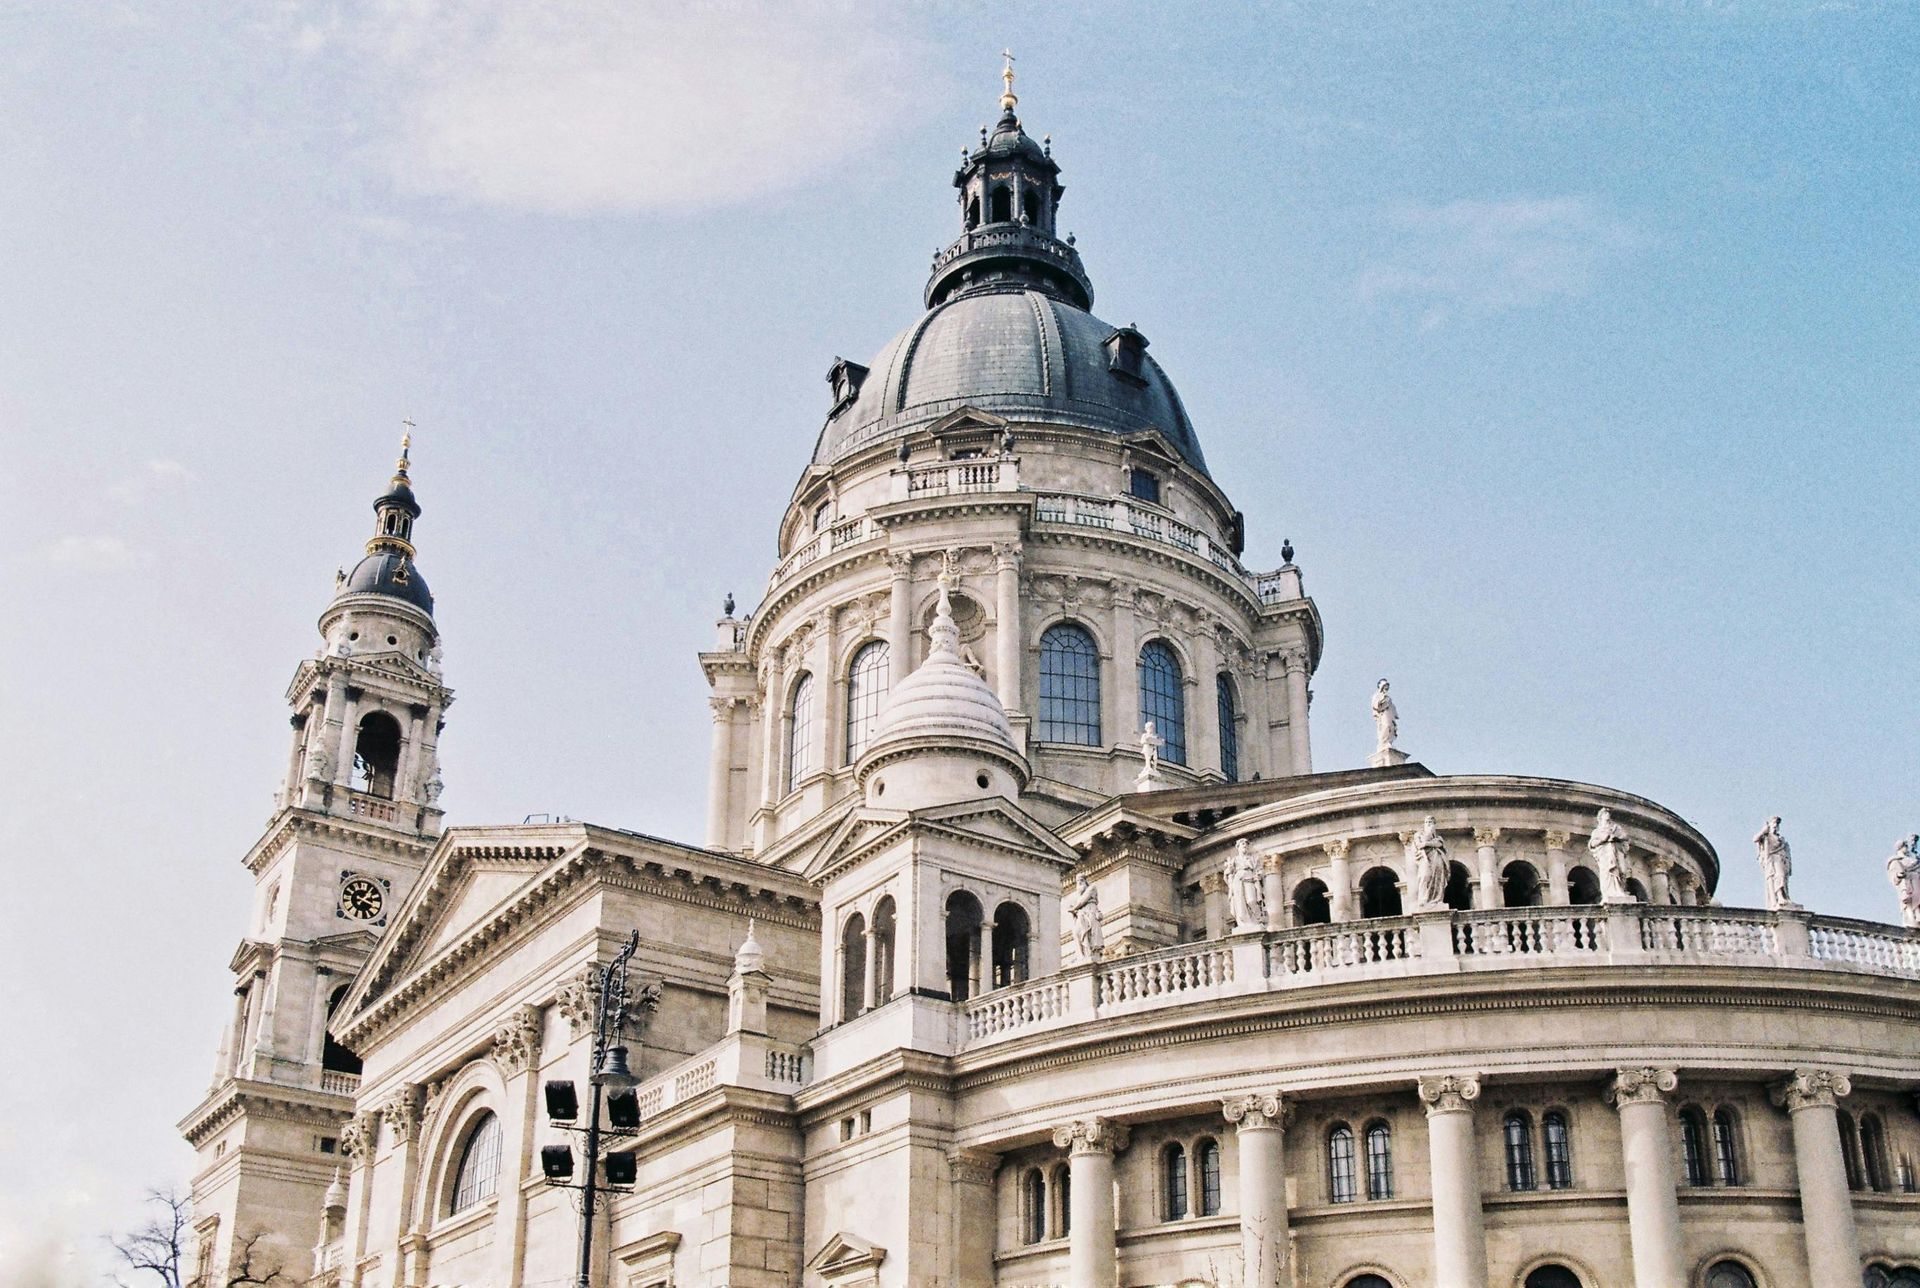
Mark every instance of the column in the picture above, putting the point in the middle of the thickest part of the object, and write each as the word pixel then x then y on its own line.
pixel 317 1020
pixel 1273 886
pixel 1009 634
pixel 1557 868
pixel 970 1240
pixel 401 1114
pixel 1213 888
pixel 1653 1209
pixel 1122 682
pixel 1660 882
pixel 1459 1238
pixel 264 1035
pixel 516 1052
pixel 869 997
pixel 358 1139
pixel 719 772
pixel 1339 881
pixel 1487 860
pixel 229 1063
pixel 1203 705
pixel 1299 749
pixel 1091 1144
pixel 1810 1096
pixel 298 754
pixel 349 735
pixel 1260 1123
pixel 899 619
pixel 407 776
pixel 829 695
pixel 983 975
pixel 774 711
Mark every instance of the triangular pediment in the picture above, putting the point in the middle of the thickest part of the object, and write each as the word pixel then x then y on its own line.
pixel 964 419
pixel 857 833
pixel 1155 445
pixel 846 1252
pixel 997 821
pixel 476 893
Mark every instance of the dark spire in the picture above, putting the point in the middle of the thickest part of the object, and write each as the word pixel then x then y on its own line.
pixel 395 511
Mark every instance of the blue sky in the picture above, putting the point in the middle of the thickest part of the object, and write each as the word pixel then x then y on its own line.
pixel 1573 346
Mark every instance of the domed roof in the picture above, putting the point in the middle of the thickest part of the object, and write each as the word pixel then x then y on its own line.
pixel 388 572
pixel 944 699
pixel 1023 354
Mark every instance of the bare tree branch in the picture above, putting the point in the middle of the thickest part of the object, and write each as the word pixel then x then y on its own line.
pixel 242 1271
pixel 155 1248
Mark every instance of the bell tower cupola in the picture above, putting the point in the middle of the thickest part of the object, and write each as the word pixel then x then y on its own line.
pixel 1010 191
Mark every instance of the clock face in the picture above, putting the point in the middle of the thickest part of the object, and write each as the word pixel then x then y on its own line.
pixel 360 899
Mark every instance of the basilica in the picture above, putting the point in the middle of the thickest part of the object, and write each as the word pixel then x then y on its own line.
pixel 1026 944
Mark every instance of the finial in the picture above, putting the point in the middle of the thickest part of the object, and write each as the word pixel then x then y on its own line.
pixel 1046 144
pixel 749 956
pixel 406 451
pixel 1286 550
pixel 945 633
pixel 726 605
pixel 983 136
pixel 1008 99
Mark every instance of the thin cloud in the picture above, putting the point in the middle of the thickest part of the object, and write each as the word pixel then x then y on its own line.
pixel 153 477
pixel 598 107
pixel 1488 257
pixel 92 553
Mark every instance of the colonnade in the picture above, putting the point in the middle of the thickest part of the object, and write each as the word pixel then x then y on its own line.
pixel 1640 1095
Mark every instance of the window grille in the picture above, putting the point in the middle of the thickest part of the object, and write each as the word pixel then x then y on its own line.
pixel 479 1170
pixel 1069 686
pixel 1163 699
pixel 1342 1185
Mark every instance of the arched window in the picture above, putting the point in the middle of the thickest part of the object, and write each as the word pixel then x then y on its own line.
pixel 1310 904
pixel 376 755
pixel 1637 890
pixel 479 1170
pixel 973 212
pixel 1583 886
pixel 1726 1147
pixel 1520 885
pixel 1208 1154
pixel 1062 1201
pixel 1553 1277
pixel 1379 1161
pixel 1882 1275
pixel 1030 205
pixel 1380 893
pixel 866 690
pixel 333 1056
pixel 1033 1206
pixel 1366 1281
pixel 1730 1274
pixel 1000 205
pixel 800 730
pixel 1069 686
pixel 1873 1153
pixel 853 967
pixel 1518 1133
pixel 1163 699
pixel 1229 727
pixel 1173 1182
pixel 1693 1147
pixel 1012 939
pixel 1850 1151
pixel 964 919
pixel 883 951
pixel 1459 888
pixel 1553 1126
pixel 1342 1185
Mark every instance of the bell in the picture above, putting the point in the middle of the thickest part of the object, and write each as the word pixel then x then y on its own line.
pixel 613 1073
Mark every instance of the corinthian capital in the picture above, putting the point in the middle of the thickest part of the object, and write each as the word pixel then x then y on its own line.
pixel 1263 1109
pixel 1091 1136
pixel 1558 840
pixel 401 1111
pixel 1811 1089
pixel 1447 1093
pixel 1336 849
pixel 1485 837
pixel 516 1044
pixel 358 1137
pixel 1646 1086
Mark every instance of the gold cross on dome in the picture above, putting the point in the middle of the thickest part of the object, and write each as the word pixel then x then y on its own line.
pixel 1008 99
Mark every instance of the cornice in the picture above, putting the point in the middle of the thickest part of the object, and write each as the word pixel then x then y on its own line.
pixel 293 821
pixel 237 1096
pixel 1153 552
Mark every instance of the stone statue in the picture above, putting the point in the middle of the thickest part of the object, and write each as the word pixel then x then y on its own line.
pixel 1427 853
pixel 1246 894
pixel 1776 863
pixel 1150 745
pixel 1903 869
pixel 435 659
pixel 1386 718
pixel 1083 905
pixel 320 765
pixel 1609 845
pixel 433 787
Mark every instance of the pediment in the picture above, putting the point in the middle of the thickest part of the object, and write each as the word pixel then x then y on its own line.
pixel 965 419
pixel 844 1254
pixel 857 832
pixel 999 822
pixel 476 893
pixel 1153 442
pixel 395 663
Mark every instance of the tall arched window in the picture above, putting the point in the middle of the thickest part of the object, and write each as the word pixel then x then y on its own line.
pixel 883 920
pixel 1012 940
pixel 1518 1133
pixel 1873 1153
pixel 800 730
pixel 973 212
pixel 376 755
pixel 1069 686
pixel 1380 893
pixel 478 1174
pixel 1062 1201
pixel 853 967
pixel 1229 727
pixel 1693 1147
pixel 1000 205
pixel 1208 1155
pixel 964 919
pixel 1163 699
pixel 1379 1161
pixel 1033 1206
pixel 334 1057
pixel 866 690
pixel 1342 1184
pixel 1726 1147
pixel 1173 1182
pixel 1553 1126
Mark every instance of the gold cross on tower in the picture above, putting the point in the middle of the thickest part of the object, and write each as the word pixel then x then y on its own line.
pixel 1008 99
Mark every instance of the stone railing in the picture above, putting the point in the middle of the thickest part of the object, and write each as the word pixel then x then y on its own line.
pixel 829 540
pixel 339 1084
pixel 377 808
pixel 1438 944
pixel 956 478
pixel 739 1060
pixel 1119 514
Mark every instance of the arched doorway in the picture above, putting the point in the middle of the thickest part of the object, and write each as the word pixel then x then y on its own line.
pixel 964 919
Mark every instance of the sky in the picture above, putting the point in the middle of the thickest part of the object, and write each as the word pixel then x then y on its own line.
pixel 1573 347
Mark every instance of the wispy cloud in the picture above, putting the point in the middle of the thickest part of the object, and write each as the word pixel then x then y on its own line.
pixel 596 106
pixel 154 476
pixel 92 553
pixel 1485 257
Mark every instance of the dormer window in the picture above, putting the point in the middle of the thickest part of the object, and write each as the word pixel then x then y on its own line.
pixel 1126 354
pixel 1143 485
pixel 822 513
pixel 845 379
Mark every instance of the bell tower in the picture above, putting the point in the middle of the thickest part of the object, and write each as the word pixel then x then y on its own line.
pixel 355 817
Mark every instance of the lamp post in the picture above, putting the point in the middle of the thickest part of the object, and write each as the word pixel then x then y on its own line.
pixel 611 1083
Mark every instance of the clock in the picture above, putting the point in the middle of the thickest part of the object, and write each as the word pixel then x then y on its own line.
pixel 361 898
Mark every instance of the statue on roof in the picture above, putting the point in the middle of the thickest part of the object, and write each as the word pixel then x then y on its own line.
pixel 1246 893
pixel 1429 867
pixel 1609 845
pixel 1150 744
pixel 1386 718
pixel 1083 905
pixel 1776 863
pixel 1903 869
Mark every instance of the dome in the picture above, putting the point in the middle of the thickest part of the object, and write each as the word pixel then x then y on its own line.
pixel 388 572
pixel 944 700
pixel 1021 354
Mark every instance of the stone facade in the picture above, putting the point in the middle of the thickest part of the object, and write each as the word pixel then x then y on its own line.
pixel 875 1052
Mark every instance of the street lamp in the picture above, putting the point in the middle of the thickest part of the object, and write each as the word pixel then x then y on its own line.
pixel 612 1083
